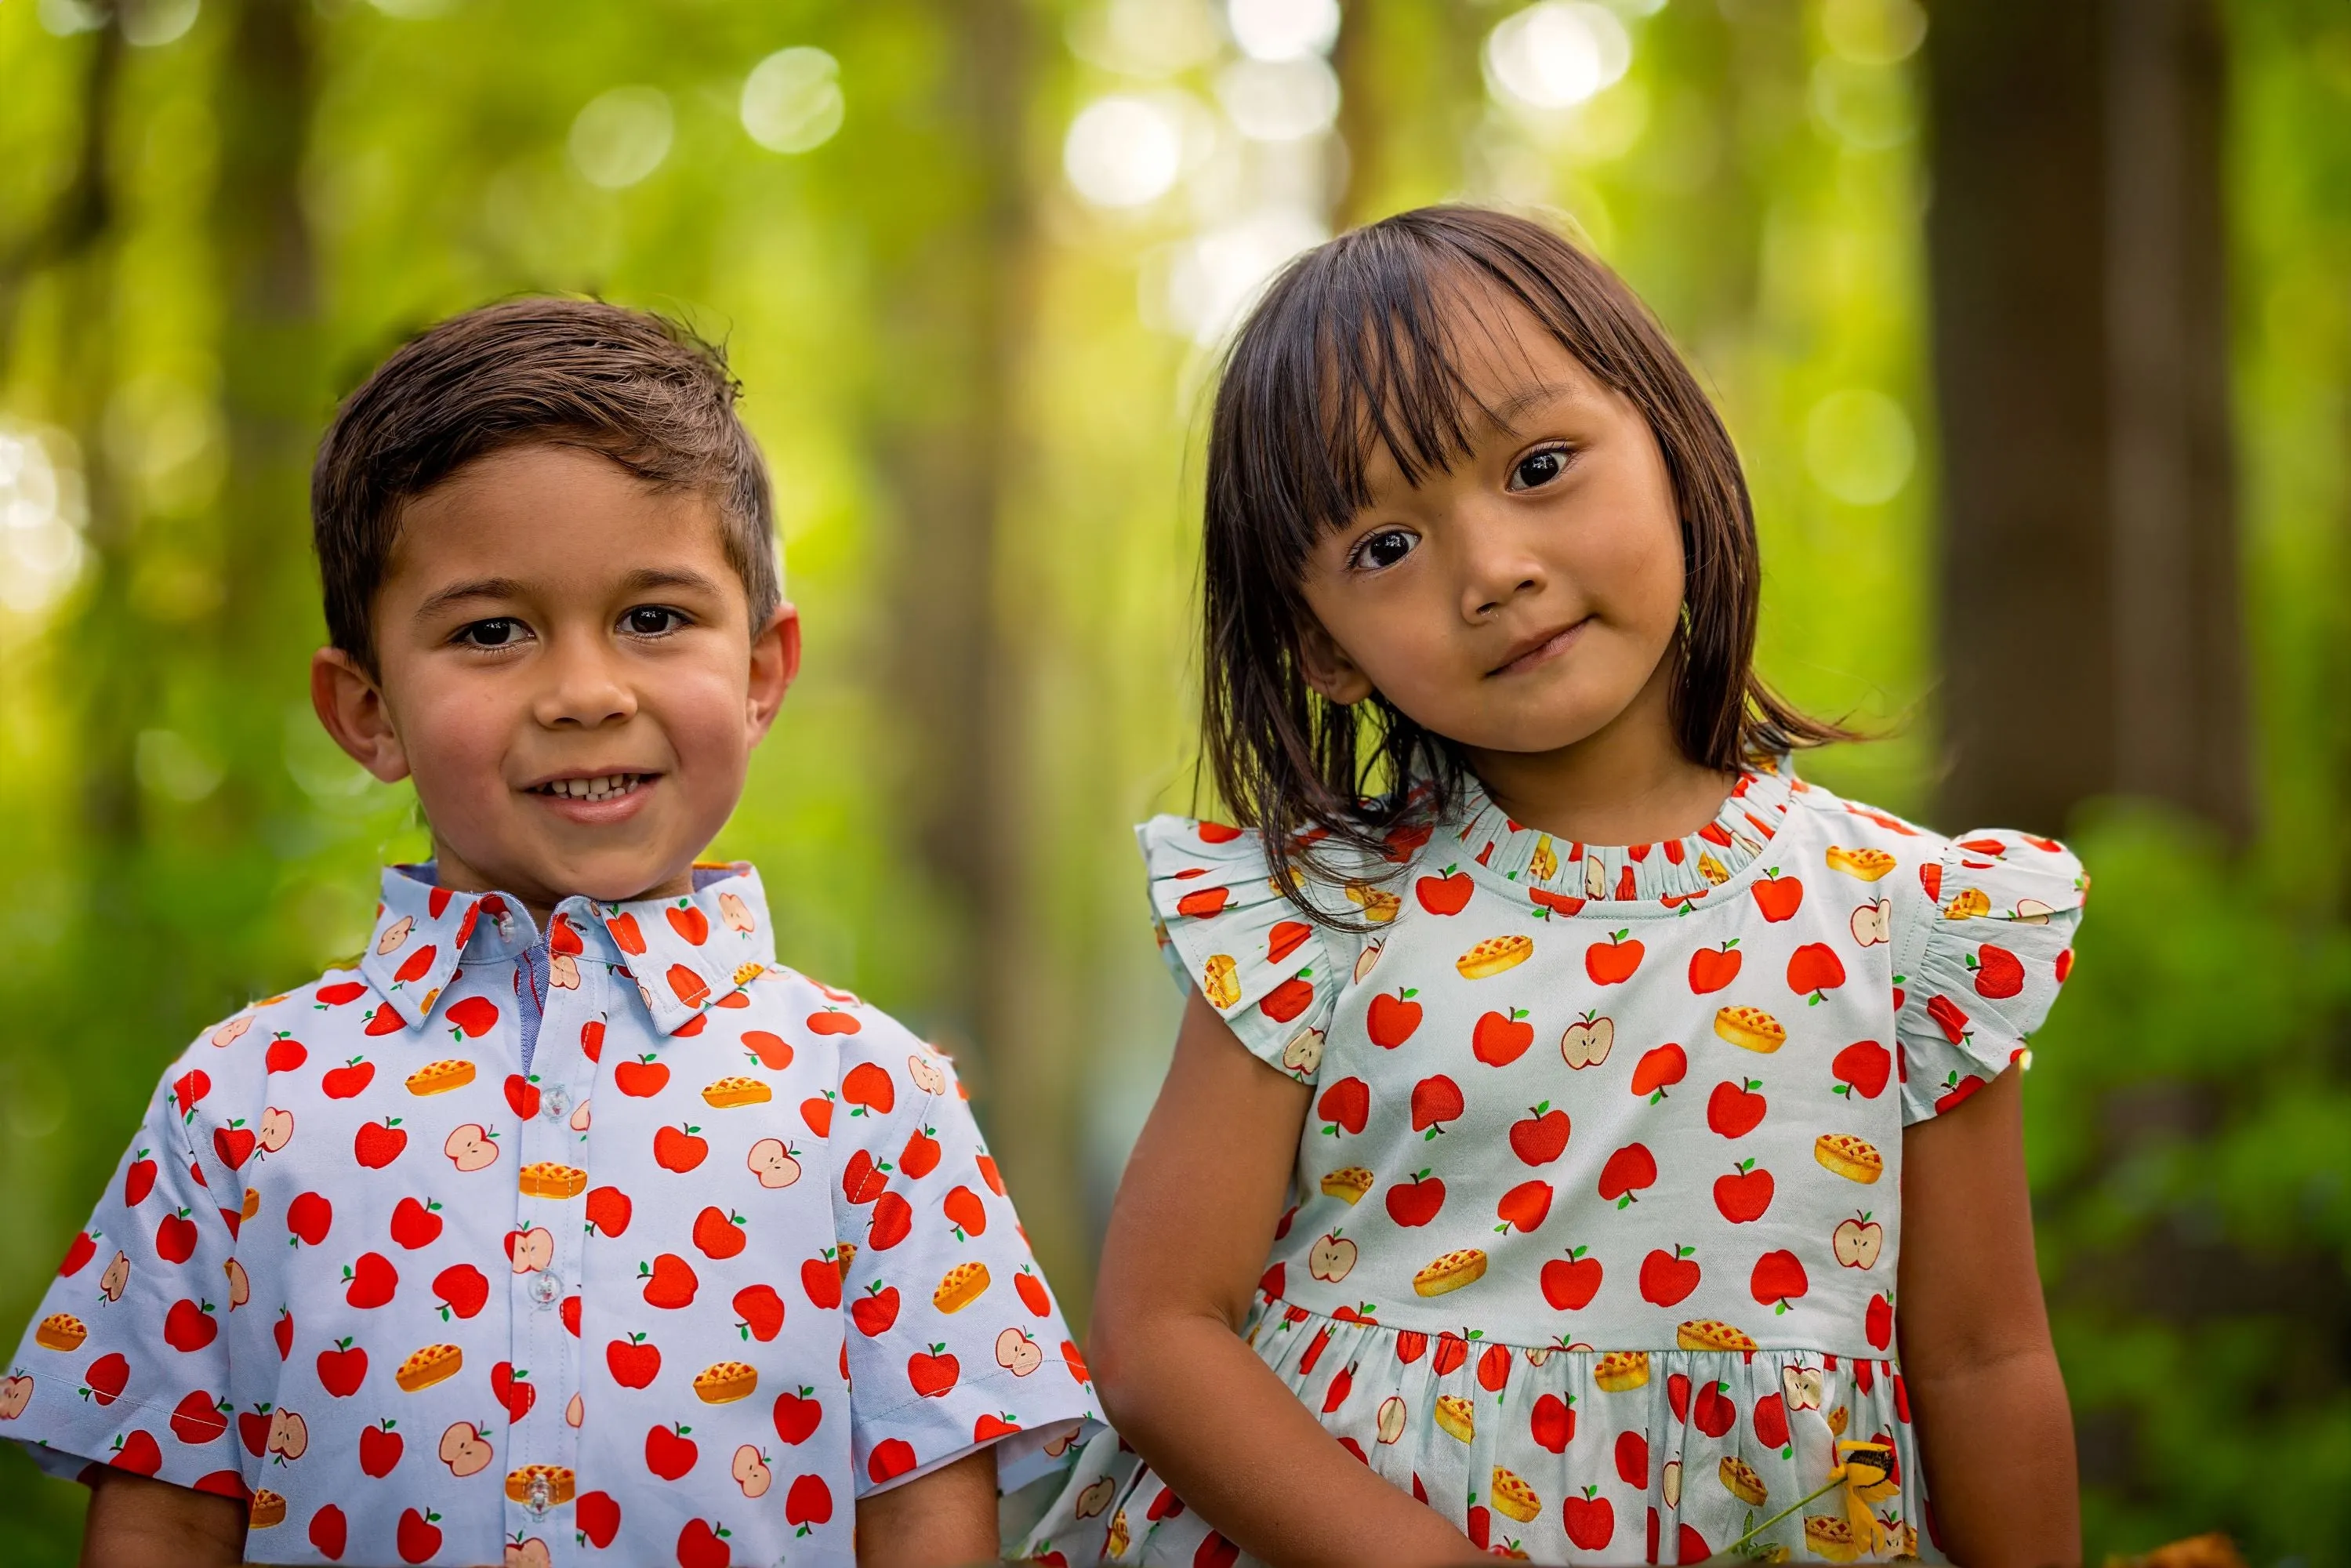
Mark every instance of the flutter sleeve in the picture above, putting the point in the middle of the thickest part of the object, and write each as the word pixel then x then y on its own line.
pixel 1225 929
pixel 1986 944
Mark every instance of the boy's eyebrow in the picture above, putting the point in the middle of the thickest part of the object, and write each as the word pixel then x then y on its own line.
pixel 645 578
pixel 458 594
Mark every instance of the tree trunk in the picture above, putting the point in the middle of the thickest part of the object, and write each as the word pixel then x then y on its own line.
pixel 2090 630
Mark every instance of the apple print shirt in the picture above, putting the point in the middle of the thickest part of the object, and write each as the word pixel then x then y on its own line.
pixel 725 1255
pixel 1597 1206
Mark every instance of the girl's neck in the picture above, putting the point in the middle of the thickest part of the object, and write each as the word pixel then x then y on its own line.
pixel 1626 783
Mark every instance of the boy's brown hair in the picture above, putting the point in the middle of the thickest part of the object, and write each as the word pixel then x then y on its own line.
pixel 640 389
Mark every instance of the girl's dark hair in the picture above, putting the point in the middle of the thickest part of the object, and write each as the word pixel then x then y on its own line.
pixel 1350 345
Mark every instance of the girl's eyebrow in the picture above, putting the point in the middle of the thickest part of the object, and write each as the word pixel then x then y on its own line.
pixel 1510 408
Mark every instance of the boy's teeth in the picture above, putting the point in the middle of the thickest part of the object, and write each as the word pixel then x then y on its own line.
pixel 601 788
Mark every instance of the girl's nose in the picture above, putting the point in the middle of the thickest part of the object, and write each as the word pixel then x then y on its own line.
pixel 582 692
pixel 1499 565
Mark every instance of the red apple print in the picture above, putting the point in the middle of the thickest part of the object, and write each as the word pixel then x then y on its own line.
pixel 677 1148
pixel 329 1532
pixel 1591 1519
pixel 1215 1551
pixel 1342 1383
pixel 718 1233
pixel 832 1020
pixel 1690 1546
pixel 471 1018
pixel 816 1112
pixel 1290 998
pixel 1480 1528
pixel 1346 1105
pixel 1452 1350
pixel 1862 1068
pixel 138 1179
pixel 1712 1411
pixel 1778 896
pixel 198 1419
pixel 1612 963
pixel 1668 1278
pixel 625 935
pixel 188 1091
pixel 1445 894
pixel 932 1374
pixel 1415 1202
pixel 1711 968
pixel 346 1082
pixel 641 1079
pixel 591 1046
pixel 760 1312
pixel 1500 1039
pixel 988 1429
pixel 598 1515
pixel 2064 968
pixel 965 1213
pixel 1628 1170
pixel 414 1223
pixel 286 1053
pixel 1033 1292
pixel 1735 1110
pixel 384 1021
pixel 1494 1368
pixel 1948 1018
pixel 892 1456
pixel 79 1252
pixel 608 1209
pixel 632 1362
pixel 569 1312
pixel 868 1087
pixel 1525 1205
pixel 522 1095
pixel 893 1221
pixel 821 1281
pixel 668 1281
pixel 370 1281
pixel 1659 1070
pixel 461 1288
pixel 138 1452
pixel 687 985
pixel 107 1376
pixel 1306 1363
pixel 1540 1136
pixel 417 965
pixel 175 1237
pixel 1286 938
pixel 1999 973
pixel 418 1536
pixel 798 1414
pixel 1779 1279
pixel 1957 1091
pixel 1391 1017
pixel 1411 1346
pixel 1744 1194
pixel 874 1312
pixel 1569 1283
pixel 282 1331
pixel 771 1052
pixel 808 1503
pixel 689 922
pixel 1814 967
pixel 1202 902
pixel 512 1390
pixel 377 1144
pixel 233 1143
pixel 1633 1459
pixel 379 1448
pixel 342 1369
pixel 1435 1101
pixel 1771 1423
pixel 1553 1422
pixel 669 1452
pixel 919 1157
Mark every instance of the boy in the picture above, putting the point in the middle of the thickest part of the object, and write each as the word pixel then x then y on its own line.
pixel 564 1226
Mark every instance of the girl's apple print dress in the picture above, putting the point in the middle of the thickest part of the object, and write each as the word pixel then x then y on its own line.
pixel 622 1247
pixel 1597 1208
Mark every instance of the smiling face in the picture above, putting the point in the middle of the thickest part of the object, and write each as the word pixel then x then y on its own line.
pixel 565 666
pixel 1527 598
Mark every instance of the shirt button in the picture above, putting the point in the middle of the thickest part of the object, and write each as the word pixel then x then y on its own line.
pixel 545 1288
pixel 554 1104
pixel 541 1494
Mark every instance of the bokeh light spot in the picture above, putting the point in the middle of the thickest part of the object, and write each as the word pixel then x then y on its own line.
pixel 1279 100
pixel 151 23
pixel 1123 152
pixel 792 100
pixel 41 513
pixel 170 765
pixel 1557 54
pixel 1283 30
pixel 1873 32
pixel 1859 446
pixel 622 136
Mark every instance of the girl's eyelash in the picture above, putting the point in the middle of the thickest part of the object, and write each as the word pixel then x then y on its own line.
pixel 1355 560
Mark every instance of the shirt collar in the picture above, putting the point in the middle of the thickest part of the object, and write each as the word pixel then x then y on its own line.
pixel 686 954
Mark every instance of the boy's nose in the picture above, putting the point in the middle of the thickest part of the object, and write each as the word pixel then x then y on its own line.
pixel 582 692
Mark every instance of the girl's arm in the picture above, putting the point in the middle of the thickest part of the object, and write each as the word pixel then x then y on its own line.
pixel 135 1521
pixel 1995 1432
pixel 944 1520
pixel 1188 1237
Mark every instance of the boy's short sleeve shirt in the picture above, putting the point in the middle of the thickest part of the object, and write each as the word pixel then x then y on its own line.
pixel 729 1255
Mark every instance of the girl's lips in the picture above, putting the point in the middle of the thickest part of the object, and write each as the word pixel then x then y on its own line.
pixel 1550 648
pixel 601 809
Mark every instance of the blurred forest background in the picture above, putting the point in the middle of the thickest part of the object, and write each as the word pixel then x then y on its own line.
pixel 2033 321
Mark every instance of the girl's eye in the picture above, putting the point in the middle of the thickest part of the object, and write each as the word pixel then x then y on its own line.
pixel 1537 469
pixel 651 621
pixel 1384 549
pixel 503 632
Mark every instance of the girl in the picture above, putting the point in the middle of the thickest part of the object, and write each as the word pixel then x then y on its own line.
pixel 1573 1107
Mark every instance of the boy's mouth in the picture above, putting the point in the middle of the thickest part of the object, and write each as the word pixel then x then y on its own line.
pixel 595 790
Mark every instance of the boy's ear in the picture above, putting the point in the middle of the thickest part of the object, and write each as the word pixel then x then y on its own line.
pixel 775 665
pixel 1327 669
pixel 351 706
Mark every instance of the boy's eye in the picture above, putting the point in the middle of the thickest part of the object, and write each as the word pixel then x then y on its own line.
pixel 1385 549
pixel 650 621
pixel 1539 468
pixel 500 633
